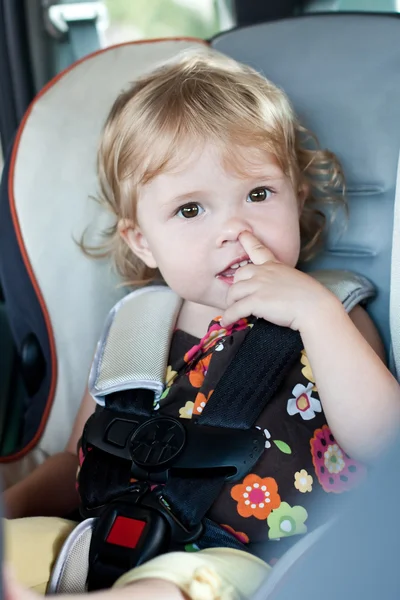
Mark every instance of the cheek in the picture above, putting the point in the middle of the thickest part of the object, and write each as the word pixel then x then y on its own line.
pixel 283 238
pixel 179 255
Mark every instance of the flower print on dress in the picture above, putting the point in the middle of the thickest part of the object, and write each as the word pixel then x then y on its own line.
pixel 186 411
pixel 191 548
pixel 239 535
pixel 281 445
pixel 170 376
pixel 335 470
pixel 199 372
pixel 215 333
pixel 286 521
pixel 200 402
pixel 267 436
pixel 81 458
pixel 163 395
pixel 256 496
pixel 303 481
pixel 306 370
pixel 303 402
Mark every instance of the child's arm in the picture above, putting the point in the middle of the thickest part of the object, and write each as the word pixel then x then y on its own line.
pixel 50 489
pixel 360 397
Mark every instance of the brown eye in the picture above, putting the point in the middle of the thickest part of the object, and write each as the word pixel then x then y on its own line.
pixel 189 211
pixel 259 195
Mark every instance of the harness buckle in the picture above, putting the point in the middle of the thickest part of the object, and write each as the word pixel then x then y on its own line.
pixel 180 534
pixel 130 531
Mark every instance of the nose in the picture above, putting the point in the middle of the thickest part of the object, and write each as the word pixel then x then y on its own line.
pixel 231 229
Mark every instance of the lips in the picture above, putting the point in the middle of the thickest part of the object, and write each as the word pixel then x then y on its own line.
pixel 234 266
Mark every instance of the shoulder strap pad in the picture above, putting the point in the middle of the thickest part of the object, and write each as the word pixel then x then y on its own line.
pixel 133 349
pixel 349 288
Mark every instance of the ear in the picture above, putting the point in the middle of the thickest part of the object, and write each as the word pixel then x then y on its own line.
pixel 134 238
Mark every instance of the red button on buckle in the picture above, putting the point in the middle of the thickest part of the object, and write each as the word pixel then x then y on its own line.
pixel 126 532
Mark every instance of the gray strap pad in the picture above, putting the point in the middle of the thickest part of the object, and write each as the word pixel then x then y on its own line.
pixel 134 347
pixel 349 288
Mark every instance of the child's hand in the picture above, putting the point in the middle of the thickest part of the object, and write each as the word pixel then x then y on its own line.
pixel 272 290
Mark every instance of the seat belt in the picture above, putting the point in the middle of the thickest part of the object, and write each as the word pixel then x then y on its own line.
pixel 395 281
pixel 74 26
pixel 174 514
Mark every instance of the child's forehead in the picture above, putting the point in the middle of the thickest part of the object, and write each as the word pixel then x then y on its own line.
pixel 235 160
pixel 250 161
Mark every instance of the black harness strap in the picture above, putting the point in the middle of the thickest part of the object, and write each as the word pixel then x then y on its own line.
pixel 253 377
pixel 137 402
pixel 246 387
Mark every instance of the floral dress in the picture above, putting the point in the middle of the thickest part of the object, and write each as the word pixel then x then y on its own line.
pixel 281 497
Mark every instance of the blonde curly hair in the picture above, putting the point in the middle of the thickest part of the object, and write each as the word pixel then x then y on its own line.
pixel 206 97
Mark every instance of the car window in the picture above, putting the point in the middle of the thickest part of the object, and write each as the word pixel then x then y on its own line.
pixel 142 19
pixel 352 5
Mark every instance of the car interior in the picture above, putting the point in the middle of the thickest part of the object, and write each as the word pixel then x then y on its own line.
pixel 338 61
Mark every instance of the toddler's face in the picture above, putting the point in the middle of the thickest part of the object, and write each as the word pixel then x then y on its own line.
pixel 190 219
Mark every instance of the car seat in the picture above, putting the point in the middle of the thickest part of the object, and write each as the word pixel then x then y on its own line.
pixel 339 71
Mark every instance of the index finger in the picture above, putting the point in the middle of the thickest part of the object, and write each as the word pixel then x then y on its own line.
pixel 256 251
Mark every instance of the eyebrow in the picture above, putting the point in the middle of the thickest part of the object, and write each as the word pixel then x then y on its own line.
pixel 264 176
pixel 195 194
